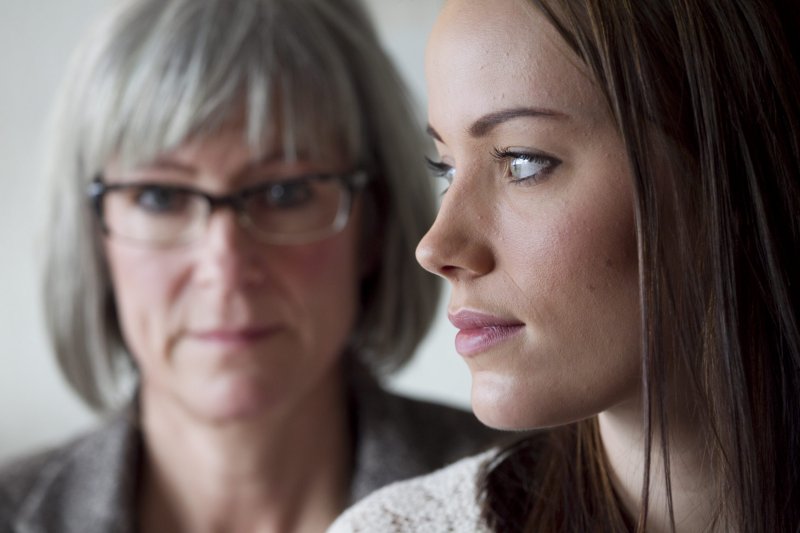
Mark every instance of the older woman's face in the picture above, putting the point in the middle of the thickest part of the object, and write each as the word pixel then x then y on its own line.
pixel 536 231
pixel 227 326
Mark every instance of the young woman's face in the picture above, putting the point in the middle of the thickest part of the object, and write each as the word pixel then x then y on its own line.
pixel 227 326
pixel 536 230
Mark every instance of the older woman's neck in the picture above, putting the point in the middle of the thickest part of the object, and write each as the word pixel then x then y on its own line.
pixel 275 472
pixel 691 474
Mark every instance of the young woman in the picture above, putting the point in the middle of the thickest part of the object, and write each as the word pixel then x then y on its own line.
pixel 621 233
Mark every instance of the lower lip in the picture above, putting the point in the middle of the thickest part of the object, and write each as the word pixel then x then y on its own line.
pixel 470 342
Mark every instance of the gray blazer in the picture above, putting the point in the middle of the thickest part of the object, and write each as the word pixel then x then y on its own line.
pixel 90 484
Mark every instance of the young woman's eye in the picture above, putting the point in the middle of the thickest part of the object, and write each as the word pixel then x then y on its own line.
pixel 524 167
pixel 442 171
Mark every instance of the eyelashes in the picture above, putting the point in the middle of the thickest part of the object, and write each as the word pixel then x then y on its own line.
pixel 441 170
pixel 520 167
pixel 525 167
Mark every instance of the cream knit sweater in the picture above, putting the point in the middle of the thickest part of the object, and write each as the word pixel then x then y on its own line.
pixel 445 501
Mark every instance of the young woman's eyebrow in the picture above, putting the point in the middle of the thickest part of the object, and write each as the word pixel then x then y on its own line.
pixel 485 124
pixel 488 122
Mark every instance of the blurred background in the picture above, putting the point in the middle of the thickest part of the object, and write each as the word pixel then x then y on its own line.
pixel 36 39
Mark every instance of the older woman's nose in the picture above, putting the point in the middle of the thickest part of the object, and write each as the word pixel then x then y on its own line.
pixel 456 247
pixel 229 253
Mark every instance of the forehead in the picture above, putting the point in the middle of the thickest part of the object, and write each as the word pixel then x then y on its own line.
pixel 487 56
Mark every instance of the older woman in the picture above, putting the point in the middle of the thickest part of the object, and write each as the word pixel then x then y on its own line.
pixel 621 232
pixel 236 197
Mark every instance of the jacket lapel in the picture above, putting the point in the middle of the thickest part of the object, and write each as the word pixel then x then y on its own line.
pixel 90 488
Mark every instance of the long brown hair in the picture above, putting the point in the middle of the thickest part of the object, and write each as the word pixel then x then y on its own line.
pixel 719 248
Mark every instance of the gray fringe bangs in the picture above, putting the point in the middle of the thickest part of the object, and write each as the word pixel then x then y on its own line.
pixel 267 68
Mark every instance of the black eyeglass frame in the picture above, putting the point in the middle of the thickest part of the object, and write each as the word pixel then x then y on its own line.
pixel 353 183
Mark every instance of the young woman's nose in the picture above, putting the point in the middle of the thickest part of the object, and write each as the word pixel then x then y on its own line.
pixel 456 247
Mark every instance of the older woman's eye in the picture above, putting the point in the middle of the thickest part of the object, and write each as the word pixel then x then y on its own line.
pixel 287 195
pixel 161 200
pixel 526 167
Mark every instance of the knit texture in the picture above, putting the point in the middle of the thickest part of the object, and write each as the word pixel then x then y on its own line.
pixel 445 501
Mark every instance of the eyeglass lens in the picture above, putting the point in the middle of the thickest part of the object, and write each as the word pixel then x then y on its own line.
pixel 290 211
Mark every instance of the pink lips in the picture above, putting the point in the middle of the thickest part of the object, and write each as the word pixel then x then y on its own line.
pixel 479 332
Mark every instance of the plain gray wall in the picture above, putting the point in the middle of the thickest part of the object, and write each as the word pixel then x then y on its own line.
pixel 36 38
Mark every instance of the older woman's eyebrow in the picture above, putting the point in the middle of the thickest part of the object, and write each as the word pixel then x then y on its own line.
pixel 168 164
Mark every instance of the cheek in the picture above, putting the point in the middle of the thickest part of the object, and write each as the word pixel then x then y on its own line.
pixel 324 281
pixel 323 269
pixel 576 266
pixel 576 258
pixel 328 269
pixel 145 292
pixel 596 303
pixel 594 257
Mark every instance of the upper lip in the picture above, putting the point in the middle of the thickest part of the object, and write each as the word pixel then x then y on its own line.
pixel 246 331
pixel 466 319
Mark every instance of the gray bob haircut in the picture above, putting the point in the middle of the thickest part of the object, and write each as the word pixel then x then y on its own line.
pixel 308 76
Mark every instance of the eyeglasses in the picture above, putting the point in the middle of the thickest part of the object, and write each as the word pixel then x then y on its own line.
pixel 299 210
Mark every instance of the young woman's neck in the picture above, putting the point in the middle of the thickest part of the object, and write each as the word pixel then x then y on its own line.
pixel 691 473
pixel 286 473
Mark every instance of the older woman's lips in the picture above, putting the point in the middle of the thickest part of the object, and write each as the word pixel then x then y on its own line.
pixel 479 332
pixel 243 336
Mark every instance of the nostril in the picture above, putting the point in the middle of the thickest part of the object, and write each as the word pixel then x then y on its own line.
pixel 452 273
pixel 450 261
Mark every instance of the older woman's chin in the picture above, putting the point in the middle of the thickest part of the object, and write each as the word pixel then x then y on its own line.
pixel 237 400
pixel 218 401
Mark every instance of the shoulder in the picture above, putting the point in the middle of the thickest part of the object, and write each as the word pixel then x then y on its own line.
pixel 24 482
pixel 73 484
pixel 445 500
pixel 19 476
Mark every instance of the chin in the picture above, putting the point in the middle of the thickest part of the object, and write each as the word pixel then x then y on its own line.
pixel 230 402
pixel 506 404
pixel 498 416
pixel 495 402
